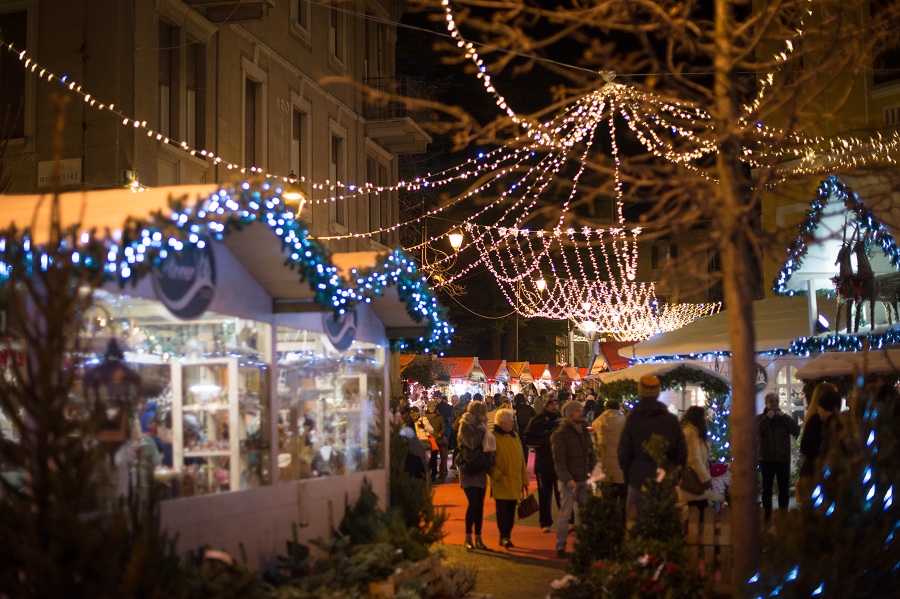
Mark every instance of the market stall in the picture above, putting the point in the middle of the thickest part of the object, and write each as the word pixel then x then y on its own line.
pixel 520 379
pixel 466 376
pixel 682 384
pixel 496 375
pixel 269 356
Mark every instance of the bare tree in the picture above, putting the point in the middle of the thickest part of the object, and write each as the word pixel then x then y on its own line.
pixel 758 88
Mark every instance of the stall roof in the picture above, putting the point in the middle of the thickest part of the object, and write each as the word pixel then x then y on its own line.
pixel 565 374
pixel 494 370
pixel 634 373
pixel 837 364
pixel 464 368
pixel 777 321
pixel 406 360
pixel 519 371
pixel 834 216
pixel 251 221
pixel 609 351
pixel 539 371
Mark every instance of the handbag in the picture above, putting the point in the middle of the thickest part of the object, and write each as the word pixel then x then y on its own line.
pixel 434 445
pixel 527 506
pixel 690 482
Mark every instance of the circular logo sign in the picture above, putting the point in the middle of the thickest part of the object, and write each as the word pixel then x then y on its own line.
pixel 762 379
pixel 341 331
pixel 186 284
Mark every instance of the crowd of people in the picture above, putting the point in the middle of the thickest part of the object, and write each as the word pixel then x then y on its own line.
pixel 577 441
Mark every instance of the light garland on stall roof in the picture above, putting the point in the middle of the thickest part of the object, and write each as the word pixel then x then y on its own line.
pixel 145 243
pixel 832 189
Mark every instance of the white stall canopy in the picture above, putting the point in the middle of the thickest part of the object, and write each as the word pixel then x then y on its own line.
pixel 839 364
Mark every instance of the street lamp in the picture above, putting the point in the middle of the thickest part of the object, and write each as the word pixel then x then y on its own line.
pixel 437 270
pixel 293 194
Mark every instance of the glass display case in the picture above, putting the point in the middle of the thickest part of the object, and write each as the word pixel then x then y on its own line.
pixel 330 406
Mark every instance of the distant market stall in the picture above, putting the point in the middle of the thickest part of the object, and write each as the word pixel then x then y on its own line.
pixel 682 384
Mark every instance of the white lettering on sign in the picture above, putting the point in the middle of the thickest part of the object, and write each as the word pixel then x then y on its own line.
pixel 69 172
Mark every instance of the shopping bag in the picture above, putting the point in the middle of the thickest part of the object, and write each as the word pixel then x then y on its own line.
pixel 434 445
pixel 690 482
pixel 527 506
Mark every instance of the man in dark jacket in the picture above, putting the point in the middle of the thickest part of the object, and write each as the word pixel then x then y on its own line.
pixel 775 431
pixel 649 417
pixel 444 409
pixel 537 436
pixel 573 459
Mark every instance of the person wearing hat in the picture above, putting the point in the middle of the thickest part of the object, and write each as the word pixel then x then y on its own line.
pixel 649 417
pixel 537 436
pixel 573 460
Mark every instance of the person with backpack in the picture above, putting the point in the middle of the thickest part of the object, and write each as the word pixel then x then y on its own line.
pixel 475 443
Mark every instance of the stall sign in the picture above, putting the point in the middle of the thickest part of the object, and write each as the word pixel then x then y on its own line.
pixel 341 330
pixel 186 283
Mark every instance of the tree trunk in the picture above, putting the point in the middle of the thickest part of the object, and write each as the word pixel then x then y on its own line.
pixel 734 224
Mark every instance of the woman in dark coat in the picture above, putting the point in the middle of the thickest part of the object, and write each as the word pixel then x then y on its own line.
pixel 524 414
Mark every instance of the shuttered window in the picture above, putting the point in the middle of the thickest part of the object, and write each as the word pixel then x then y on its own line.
pixel 250 100
pixel 168 79
pixel 195 92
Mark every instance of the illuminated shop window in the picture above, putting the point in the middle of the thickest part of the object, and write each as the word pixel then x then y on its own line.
pixel 330 406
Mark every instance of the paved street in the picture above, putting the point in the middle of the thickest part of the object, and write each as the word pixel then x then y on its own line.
pixel 523 571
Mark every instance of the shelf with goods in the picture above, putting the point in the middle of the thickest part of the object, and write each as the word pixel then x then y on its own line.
pixel 218 424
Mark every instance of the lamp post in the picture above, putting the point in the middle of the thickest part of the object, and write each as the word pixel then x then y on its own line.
pixel 437 269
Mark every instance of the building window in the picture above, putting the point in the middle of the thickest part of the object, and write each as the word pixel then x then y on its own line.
pixel 182 86
pixel 195 94
pixel 384 199
pixel 374 212
pixel 299 138
pixel 375 44
pixel 14 26
pixel 662 255
pixel 338 208
pixel 251 116
pixel 301 14
pixel 790 392
pixel 336 33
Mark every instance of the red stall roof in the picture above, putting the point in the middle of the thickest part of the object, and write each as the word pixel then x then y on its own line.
pixel 539 371
pixel 464 368
pixel 494 370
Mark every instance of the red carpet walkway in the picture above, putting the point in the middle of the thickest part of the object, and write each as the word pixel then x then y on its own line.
pixel 526 535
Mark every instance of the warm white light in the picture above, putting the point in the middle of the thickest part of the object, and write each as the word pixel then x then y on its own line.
pixel 456 239
pixel 541 285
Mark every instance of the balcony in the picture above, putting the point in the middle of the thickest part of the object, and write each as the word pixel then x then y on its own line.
pixel 393 120
pixel 232 11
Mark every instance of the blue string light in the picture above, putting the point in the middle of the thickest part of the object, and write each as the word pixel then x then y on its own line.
pixel 145 244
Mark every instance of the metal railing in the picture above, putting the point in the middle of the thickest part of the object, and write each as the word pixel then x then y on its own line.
pixel 397 97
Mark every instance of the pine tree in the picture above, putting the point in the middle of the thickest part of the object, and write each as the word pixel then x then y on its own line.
pixel 600 530
pixel 844 541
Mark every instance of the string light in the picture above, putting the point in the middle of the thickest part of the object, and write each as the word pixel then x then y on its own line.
pixel 146 242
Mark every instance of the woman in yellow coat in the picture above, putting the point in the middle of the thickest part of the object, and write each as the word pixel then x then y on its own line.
pixel 509 478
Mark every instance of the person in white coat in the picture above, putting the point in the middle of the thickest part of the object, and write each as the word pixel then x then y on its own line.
pixel 693 423
pixel 607 431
